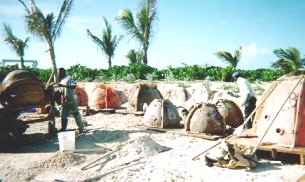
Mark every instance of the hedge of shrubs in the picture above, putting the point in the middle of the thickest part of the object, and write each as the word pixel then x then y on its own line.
pixel 142 71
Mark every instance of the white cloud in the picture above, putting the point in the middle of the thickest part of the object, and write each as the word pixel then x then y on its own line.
pixel 251 51
pixel 254 57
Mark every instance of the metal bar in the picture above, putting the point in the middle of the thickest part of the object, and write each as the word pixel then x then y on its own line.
pixel 257 145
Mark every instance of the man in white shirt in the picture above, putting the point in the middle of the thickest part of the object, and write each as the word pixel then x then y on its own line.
pixel 69 102
pixel 247 95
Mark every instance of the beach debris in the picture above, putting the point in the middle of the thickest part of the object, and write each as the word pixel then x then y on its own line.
pixel 231 156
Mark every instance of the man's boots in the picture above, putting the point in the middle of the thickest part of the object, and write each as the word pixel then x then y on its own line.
pixel 64 123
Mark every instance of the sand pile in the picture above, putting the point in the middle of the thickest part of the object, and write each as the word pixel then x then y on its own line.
pixel 60 160
pixel 140 145
pixel 138 148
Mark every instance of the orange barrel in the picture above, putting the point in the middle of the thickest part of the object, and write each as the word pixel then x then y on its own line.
pixel 82 96
pixel 101 96
pixel 231 113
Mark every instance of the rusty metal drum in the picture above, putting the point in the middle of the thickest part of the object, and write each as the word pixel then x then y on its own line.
pixel 141 94
pixel 205 118
pixel 21 90
pixel 162 114
pixel 230 112
pixel 101 96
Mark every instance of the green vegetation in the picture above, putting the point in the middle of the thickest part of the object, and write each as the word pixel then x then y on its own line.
pixel 134 56
pixel 229 58
pixel 289 60
pixel 142 71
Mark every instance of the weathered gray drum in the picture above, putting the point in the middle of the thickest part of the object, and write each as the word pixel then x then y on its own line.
pixel 230 112
pixel 205 118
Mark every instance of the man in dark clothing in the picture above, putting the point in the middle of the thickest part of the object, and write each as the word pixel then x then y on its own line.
pixel 69 101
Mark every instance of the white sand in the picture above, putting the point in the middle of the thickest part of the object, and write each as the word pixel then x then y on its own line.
pixel 142 155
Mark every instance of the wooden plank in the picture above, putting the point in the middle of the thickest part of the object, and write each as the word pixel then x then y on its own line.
pixel 107 110
pixel 302 159
pixel 203 136
pixel 274 149
pixel 183 133
pixel 296 150
pixel 125 111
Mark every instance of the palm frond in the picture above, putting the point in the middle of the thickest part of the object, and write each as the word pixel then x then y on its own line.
pixel 228 57
pixel 35 20
pixel 134 56
pixel 126 19
pixel 142 29
pixel 283 64
pixel 146 17
pixel 63 14
pixel 225 56
pixel 295 56
pixel 16 44
pixel 237 53
pixel 96 40
pixel 48 29
pixel 8 33
pixel 289 60
pixel 116 39
pixel 25 7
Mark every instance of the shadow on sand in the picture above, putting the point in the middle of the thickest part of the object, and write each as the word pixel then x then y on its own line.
pixel 44 143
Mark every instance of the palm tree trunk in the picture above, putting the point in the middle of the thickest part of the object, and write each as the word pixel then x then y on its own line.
pixel 109 62
pixel 54 67
pixel 145 55
pixel 22 62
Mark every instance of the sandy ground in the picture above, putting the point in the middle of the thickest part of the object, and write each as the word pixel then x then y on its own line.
pixel 134 154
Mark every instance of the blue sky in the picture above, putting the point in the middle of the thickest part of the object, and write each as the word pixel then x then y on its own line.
pixel 187 31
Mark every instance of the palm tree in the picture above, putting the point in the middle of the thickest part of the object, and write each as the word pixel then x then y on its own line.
pixel 107 43
pixel 47 27
pixel 229 58
pixel 290 60
pixel 134 56
pixel 142 29
pixel 16 44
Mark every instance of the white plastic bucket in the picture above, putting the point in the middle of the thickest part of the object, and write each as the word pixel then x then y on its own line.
pixel 66 140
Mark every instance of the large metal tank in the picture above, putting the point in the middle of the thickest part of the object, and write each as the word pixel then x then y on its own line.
pixel 22 90
pixel 141 94
pixel 101 96
pixel 205 118
pixel 230 112
pixel 162 114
